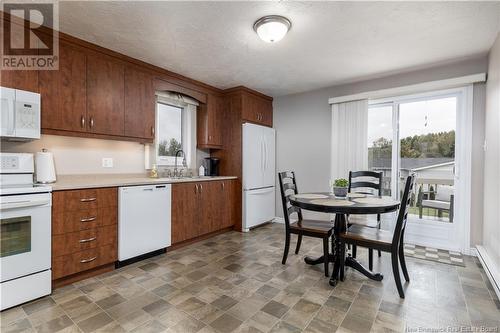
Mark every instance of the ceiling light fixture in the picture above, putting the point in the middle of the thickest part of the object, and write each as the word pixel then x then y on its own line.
pixel 272 28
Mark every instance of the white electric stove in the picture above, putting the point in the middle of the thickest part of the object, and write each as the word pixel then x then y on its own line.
pixel 25 221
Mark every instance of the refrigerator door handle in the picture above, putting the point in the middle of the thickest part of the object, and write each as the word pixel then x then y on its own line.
pixel 262 156
pixel 265 155
pixel 261 191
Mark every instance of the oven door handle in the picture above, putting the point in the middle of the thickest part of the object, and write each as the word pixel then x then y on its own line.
pixel 23 204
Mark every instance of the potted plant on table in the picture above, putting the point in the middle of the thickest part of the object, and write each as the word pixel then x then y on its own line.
pixel 340 187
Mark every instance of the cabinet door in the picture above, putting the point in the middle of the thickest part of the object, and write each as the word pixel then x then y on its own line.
pixel 249 108
pixel 64 91
pixel 257 110
pixel 215 119
pixel 18 79
pixel 227 203
pixel 184 212
pixel 266 110
pixel 139 104
pixel 105 95
pixel 209 117
pixel 210 207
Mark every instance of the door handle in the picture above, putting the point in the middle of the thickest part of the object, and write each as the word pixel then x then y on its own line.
pixel 10 112
pixel 87 199
pixel 83 261
pixel 82 121
pixel 152 131
pixel 88 219
pixel 195 188
pixel 23 204
pixel 265 155
pixel 91 122
pixel 262 154
pixel 263 191
pixel 88 240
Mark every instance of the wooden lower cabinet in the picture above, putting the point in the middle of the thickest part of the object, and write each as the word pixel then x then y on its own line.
pixel 184 212
pixel 70 264
pixel 84 231
pixel 201 208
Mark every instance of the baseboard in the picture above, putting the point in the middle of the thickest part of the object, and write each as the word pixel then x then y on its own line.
pixel 470 252
pixel 278 220
pixel 491 270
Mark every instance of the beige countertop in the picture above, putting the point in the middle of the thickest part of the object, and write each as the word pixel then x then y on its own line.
pixel 73 182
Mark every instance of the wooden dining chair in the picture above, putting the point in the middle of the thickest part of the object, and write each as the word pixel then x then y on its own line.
pixel 383 240
pixel 301 226
pixel 362 182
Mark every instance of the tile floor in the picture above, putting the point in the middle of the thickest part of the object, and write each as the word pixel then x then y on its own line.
pixel 235 283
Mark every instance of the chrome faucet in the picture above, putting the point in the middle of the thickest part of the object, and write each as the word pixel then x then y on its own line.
pixel 184 164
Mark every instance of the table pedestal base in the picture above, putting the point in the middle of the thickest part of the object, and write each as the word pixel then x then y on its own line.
pixel 320 260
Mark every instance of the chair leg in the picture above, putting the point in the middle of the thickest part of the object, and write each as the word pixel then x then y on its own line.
pixel 287 247
pixel 379 252
pixel 354 250
pixel 299 242
pixel 370 259
pixel 395 271
pixel 326 255
pixel 402 261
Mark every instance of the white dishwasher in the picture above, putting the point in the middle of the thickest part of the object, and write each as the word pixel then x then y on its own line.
pixel 143 220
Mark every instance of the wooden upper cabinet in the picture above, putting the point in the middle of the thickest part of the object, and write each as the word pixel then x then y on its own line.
pixel 64 92
pixel 209 118
pixel 18 79
pixel 105 95
pixel 265 107
pixel 257 110
pixel 139 104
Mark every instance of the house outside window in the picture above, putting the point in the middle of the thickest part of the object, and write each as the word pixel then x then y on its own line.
pixel 170 129
pixel 175 130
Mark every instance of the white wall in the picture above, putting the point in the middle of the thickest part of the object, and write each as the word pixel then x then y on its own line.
pixel 491 227
pixel 303 127
pixel 84 156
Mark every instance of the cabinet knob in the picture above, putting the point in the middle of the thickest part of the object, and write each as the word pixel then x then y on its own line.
pixel 152 130
pixel 82 121
pixel 91 122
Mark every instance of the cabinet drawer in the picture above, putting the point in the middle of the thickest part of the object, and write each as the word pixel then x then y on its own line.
pixel 81 261
pixel 83 240
pixel 84 199
pixel 65 222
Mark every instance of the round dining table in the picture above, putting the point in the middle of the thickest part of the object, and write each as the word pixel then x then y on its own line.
pixel 354 203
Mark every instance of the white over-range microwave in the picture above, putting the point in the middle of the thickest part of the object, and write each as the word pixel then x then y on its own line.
pixel 20 114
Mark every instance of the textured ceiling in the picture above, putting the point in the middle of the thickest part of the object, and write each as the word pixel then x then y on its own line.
pixel 329 43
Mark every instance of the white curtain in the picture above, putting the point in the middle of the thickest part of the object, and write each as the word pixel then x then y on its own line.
pixel 349 138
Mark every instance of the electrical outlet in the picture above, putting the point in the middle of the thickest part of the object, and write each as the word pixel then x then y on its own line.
pixel 107 162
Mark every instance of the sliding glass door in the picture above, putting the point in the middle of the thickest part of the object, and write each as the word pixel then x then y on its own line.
pixel 427 130
pixel 418 134
pixel 380 136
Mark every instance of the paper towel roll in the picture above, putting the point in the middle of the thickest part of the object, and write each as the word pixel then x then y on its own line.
pixel 45 169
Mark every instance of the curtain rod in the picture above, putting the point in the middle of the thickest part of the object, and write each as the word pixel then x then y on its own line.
pixel 413 88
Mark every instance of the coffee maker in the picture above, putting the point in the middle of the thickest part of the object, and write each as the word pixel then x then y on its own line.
pixel 211 166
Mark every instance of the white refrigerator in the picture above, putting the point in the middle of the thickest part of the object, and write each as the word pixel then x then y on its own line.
pixel 258 175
